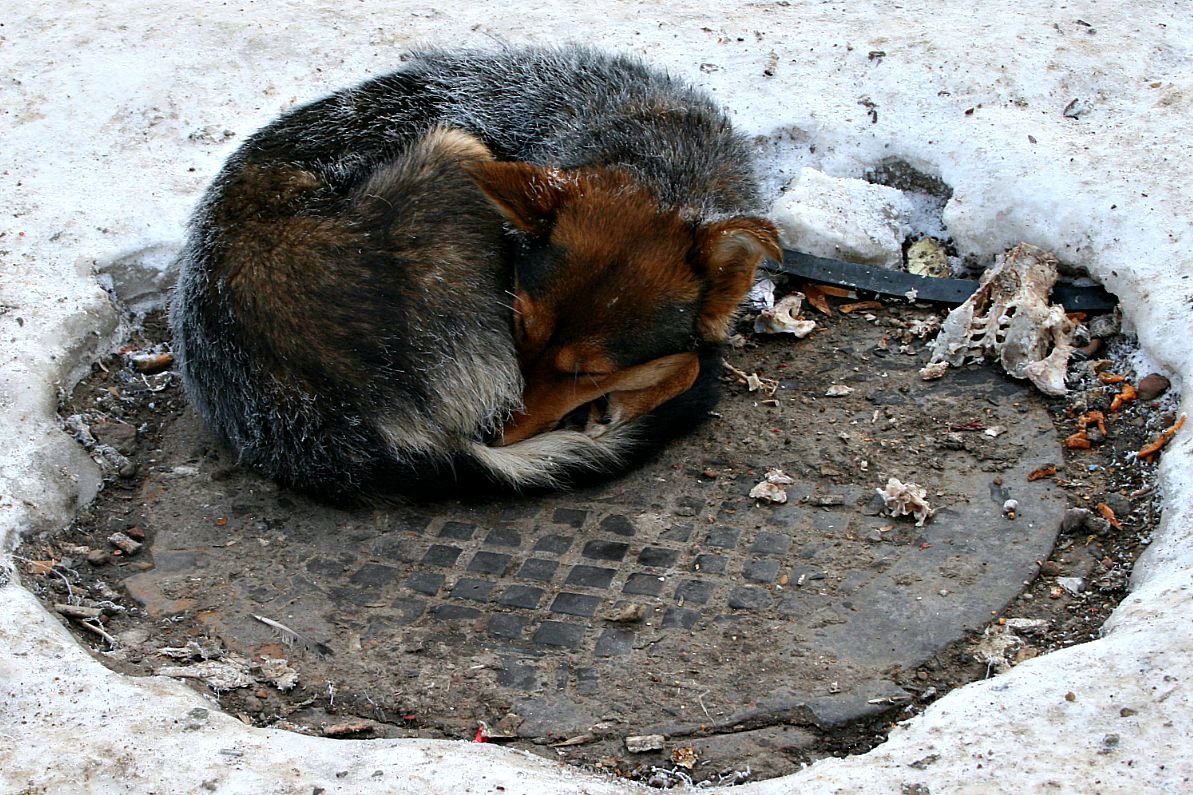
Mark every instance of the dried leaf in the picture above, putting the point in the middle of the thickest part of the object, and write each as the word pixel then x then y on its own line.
pixel 816 299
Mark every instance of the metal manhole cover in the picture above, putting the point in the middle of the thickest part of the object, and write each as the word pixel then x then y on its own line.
pixel 668 602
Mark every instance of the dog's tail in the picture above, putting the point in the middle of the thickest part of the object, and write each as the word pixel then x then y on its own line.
pixel 555 459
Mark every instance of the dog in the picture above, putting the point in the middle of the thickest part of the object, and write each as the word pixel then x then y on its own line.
pixel 513 268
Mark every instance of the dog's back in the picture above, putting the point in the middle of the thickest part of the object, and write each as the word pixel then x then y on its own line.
pixel 575 107
pixel 304 321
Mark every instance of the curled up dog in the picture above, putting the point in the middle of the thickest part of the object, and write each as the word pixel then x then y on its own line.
pixel 516 268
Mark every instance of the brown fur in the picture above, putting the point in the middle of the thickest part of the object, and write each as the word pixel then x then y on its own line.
pixel 627 259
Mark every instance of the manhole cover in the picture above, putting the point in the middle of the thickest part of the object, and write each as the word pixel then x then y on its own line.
pixel 666 603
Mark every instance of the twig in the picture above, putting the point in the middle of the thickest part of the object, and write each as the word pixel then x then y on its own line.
pixel 98 630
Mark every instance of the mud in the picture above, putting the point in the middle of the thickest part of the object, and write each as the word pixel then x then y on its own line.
pixel 751 637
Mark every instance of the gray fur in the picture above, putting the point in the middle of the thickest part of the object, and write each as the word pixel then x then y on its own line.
pixel 420 377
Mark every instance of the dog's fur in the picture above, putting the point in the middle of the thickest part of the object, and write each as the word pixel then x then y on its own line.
pixel 515 267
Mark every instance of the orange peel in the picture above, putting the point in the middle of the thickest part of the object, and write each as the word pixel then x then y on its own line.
pixel 1157 444
pixel 1125 396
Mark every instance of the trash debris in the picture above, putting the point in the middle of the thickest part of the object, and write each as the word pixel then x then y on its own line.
pixel 752 381
pixel 191 651
pixel 923 327
pixel 933 370
pixel 1090 421
pixel 219 675
pixel 1076 108
pixel 627 614
pixel 906 499
pixel 1108 514
pixel 150 362
pixel 1009 317
pixel 77 426
pixel 860 306
pixel 761 295
pixel 1010 509
pixel 817 298
pixel 486 733
pixel 1040 472
pixel 1002 643
pixel 783 318
pixel 277 671
pixel 1073 585
pixel 925 257
pixel 685 757
pixel 771 487
pixel 644 743
pixel 579 739
pixel 838 390
pixel 125 544
pixel 80 612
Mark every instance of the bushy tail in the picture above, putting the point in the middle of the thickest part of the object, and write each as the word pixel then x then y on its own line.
pixel 555 459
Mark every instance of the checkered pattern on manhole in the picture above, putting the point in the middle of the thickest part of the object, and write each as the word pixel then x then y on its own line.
pixel 558 577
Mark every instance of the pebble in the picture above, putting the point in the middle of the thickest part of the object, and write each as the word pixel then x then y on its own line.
pixel 125 544
pixel 1074 519
pixel 1152 386
pixel 627 614
pixel 1103 326
pixel 1073 585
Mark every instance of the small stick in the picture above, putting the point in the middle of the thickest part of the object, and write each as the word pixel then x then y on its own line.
pixel 78 611
pixel 98 630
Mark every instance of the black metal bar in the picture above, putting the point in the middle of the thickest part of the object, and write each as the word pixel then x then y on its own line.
pixel 881 281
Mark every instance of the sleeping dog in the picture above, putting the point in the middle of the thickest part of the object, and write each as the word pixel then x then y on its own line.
pixel 514 267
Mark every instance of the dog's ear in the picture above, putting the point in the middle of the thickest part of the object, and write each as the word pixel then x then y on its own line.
pixel 727 254
pixel 525 194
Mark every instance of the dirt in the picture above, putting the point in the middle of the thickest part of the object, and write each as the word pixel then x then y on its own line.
pixel 741 638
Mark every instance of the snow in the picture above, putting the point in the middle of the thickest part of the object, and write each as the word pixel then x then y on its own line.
pixel 115 116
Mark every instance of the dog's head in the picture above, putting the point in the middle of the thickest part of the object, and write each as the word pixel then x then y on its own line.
pixel 614 296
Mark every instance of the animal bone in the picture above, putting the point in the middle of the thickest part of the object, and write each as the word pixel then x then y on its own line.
pixel 1009 317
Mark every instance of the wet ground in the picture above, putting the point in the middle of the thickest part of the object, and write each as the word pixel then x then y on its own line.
pixel 662 626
